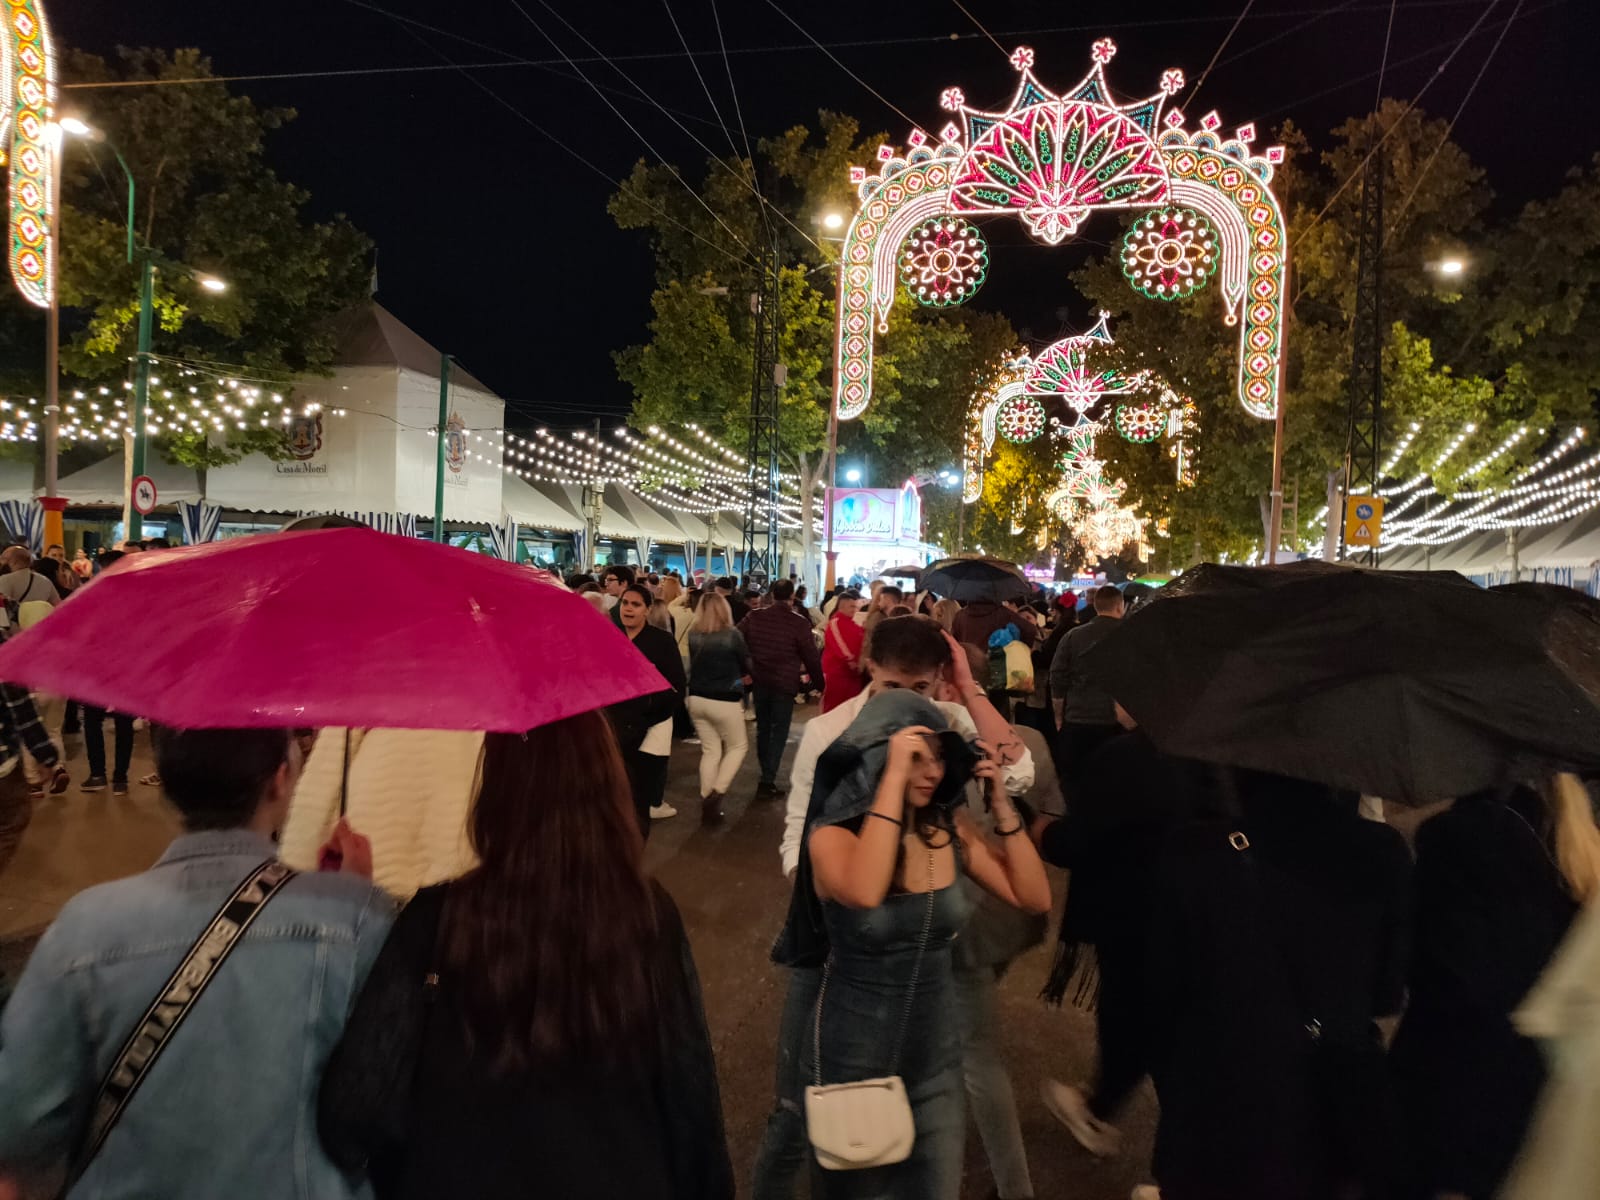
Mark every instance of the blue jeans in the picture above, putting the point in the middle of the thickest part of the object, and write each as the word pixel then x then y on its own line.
pixel 994 1106
pixel 784 1148
pixel 774 714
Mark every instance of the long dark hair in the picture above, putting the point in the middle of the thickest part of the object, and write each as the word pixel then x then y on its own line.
pixel 551 941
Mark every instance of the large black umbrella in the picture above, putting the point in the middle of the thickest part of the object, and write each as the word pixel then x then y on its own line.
pixel 1407 685
pixel 967 579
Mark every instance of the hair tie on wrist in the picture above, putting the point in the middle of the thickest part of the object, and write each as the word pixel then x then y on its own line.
pixel 886 817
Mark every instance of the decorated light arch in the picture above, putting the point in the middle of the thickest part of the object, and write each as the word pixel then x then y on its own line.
pixel 1097 397
pixel 1052 160
pixel 28 72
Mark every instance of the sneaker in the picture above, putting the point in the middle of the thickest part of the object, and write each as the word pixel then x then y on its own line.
pixel 749 714
pixel 660 812
pixel 1069 1106
pixel 119 788
pixel 711 809
pixel 95 783
pixel 1146 1191
pixel 765 790
pixel 60 782
pixel 151 780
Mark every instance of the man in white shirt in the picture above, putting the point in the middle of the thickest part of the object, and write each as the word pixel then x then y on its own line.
pixel 907 652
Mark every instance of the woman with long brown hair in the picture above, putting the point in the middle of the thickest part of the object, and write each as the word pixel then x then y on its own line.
pixel 535 1025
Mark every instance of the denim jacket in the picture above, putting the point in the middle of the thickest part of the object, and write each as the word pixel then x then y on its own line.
pixel 846 786
pixel 229 1109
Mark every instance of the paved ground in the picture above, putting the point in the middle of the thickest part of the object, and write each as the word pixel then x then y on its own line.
pixel 728 885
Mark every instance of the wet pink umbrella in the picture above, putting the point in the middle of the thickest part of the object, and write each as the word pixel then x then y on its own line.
pixel 343 627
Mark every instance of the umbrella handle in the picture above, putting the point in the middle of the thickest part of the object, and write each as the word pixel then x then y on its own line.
pixel 344 776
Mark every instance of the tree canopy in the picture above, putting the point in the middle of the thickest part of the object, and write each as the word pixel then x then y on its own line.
pixel 205 199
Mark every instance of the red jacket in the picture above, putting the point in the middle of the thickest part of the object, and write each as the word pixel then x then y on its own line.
pixel 841 668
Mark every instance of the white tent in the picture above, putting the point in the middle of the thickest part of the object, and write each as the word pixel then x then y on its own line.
pixel 16 480
pixel 533 509
pixel 381 456
pixel 102 484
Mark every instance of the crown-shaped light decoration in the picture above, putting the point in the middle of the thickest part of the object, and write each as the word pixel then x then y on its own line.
pixel 1053 158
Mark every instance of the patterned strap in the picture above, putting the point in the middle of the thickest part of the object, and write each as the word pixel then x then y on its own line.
pixel 177 998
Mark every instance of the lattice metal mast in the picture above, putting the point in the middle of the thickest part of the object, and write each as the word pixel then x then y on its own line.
pixel 1364 431
pixel 761 528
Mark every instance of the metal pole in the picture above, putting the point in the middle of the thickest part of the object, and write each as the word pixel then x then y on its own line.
pixel 1275 532
pixel 141 384
pixel 52 349
pixel 438 465
pixel 961 515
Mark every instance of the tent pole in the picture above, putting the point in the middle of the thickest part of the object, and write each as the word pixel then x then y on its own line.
pixel 438 464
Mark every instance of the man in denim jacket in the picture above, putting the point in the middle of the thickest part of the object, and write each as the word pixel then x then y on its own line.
pixel 228 1109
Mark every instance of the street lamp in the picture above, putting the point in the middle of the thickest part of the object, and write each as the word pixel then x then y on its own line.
pixel 1450 266
pixel 852 475
pixel 133 520
pixel 833 220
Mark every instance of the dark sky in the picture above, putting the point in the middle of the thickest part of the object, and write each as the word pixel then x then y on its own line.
pixel 494 242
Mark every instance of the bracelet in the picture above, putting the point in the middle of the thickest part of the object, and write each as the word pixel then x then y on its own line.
pixel 1017 828
pixel 886 817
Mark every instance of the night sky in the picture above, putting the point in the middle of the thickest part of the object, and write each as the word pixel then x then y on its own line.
pixel 495 245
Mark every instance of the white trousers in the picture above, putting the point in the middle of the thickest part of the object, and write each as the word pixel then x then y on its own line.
pixel 720 726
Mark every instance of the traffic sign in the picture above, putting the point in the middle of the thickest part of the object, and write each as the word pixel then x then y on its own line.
pixel 1363 520
pixel 144 495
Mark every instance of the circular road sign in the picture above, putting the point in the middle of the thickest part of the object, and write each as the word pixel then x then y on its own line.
pixel 144 495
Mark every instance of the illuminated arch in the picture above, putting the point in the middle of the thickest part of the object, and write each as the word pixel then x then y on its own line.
pixel 28 72
pixel 1052 160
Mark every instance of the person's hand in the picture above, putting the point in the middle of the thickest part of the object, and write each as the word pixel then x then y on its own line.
pixel 989 771
pixel 907 747
pixel 960 669
pixel 346 851
pixel 747 680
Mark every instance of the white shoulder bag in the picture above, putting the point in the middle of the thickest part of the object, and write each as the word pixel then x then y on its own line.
pixel 867 1123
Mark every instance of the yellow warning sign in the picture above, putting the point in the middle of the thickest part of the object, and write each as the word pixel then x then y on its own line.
pixel 1363 520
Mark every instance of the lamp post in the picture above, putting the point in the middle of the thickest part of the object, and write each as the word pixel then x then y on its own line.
pixel 133 520
pixel 832 221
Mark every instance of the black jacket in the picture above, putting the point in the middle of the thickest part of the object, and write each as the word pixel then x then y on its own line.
pixel 632 719
pixel 406 1099
pixel 1491 908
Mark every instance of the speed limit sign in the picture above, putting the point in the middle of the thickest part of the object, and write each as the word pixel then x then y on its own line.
pixel 144 495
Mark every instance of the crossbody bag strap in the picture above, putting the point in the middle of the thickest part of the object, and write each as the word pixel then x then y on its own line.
pixel 176 999
pixel 911 993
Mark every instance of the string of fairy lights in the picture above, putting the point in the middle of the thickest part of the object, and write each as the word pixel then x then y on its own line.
pixel 1556 487
pixel 694 473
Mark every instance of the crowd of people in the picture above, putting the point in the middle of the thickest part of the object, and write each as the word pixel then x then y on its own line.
pixel 483 993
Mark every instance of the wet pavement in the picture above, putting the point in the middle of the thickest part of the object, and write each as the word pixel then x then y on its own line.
pixel 728 884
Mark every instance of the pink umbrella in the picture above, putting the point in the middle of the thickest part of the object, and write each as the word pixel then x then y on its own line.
pixel 335 627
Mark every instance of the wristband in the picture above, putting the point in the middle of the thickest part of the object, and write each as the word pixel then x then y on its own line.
pixel 1015 829
pixel 886 817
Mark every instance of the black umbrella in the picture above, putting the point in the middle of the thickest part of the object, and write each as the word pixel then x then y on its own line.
pixel 967 579
pixel 321 521
pixel 1407 685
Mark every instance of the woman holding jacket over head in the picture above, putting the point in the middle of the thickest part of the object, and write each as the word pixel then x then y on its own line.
pixel 886 841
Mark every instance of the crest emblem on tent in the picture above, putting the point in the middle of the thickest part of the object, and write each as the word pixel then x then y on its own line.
pixel 455 443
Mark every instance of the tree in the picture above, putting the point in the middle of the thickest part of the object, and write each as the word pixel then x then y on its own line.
pixel 205 199
pixel 696 365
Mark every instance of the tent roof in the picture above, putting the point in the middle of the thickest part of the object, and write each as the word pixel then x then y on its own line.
pixel 369 335
pixel 16 479
pixel 532 508
pixel 100 483
pixel 645 517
